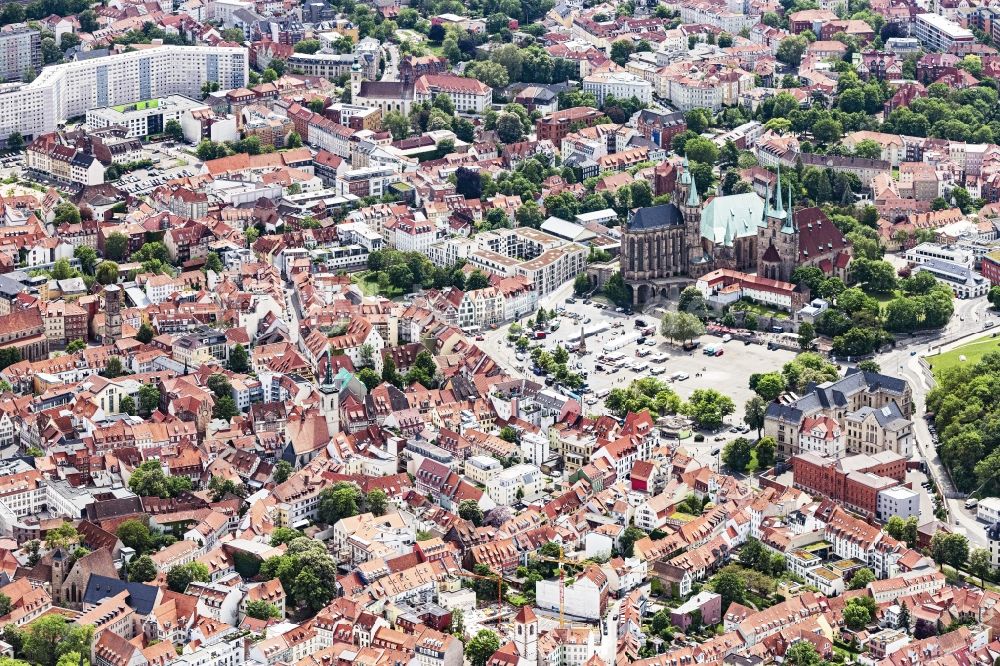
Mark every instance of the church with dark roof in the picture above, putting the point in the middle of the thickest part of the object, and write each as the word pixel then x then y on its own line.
pixel 664 246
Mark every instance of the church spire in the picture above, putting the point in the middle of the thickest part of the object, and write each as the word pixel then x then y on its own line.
pixel 693 198
pixel 789 226
pixel 778 205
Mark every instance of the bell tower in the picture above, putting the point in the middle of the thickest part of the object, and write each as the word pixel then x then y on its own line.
pixel 330 398
pixel 526 635
pixel 112 313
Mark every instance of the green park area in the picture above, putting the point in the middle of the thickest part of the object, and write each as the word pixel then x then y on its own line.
pixel 972 352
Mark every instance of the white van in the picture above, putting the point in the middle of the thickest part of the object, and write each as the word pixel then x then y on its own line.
pixel 642 366
pixel 657 370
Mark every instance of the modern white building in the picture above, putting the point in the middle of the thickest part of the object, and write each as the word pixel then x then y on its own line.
pixel 145 117
pixel 71 89
pixel 897 501
pixel 504 486
pixel 951 253
pixel 988 510
pixel 938 33
pixel 621 85
pixel 586 597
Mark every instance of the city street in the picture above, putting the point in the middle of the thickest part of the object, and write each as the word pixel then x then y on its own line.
pixel 966 325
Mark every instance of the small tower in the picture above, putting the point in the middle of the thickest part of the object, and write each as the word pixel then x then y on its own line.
pixel 690 208
pixel 330 398
pixel 112 313
pixel 355 82
pixel 526 635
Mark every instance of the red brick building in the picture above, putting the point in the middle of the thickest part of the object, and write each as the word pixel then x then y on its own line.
pixel 556 126
pixel 990 267
pixel 854 481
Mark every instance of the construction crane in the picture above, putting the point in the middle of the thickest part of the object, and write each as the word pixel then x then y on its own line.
pixel 562 582
pixel 499 581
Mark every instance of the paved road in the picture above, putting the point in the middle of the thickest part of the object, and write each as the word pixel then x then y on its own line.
pixel 966 325
pixel 391 54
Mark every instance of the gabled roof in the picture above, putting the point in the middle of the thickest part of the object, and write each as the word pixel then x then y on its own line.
pixel 141 597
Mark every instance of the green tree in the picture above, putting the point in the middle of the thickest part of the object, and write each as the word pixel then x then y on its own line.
pixel 282 470
pixel 51 636
pixel 116 246
pixel 225 409
pixel 397 124
pixel 754 412
pixel 182 575
pixel 377 502
pixel 802 653
pixel 856 616
pixel 950 548
pixel 174 130
pixel 135 534
pixel 628 538
pixel 369 378
pixel 469 510
pixel 142 570
pixel 902 530
pixel 220 487
pixel 76 346
pixel 15 141
pixel 708 407
pixel 61 270
pixel 981 565
pixel 149 399
pixel 476 280
pixel 106 272
pixel 765 448
pixel 790 50
pixel 145 334
pixel 509 128
pixel 769 386
pixel 620 51
pixel 87 257
pixel 239 359
pixel 481 647
pixel 309 46
pixel 213 263
pixel 807 333
pixel 341 500
pixel 731 586
pixel 861 578
pixel 63 536
pixel 737 454
pixel 262 610
pixel 283 535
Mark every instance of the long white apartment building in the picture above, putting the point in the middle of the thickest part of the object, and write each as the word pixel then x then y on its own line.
pixel 71 89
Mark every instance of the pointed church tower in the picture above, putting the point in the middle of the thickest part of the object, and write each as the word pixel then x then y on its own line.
pixel 690 207
pixel 330 398
pixel 526 635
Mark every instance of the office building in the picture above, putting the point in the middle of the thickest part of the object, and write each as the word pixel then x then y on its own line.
pixel 937 33
pixel 143 118
pixel 71 89
pixel 20 51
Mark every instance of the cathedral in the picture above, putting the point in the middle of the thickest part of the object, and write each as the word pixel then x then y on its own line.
pixel 664 247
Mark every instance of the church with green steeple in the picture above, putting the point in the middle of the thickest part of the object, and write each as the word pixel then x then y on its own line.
pixel 664 246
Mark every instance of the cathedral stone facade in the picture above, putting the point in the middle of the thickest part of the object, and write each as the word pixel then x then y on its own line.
pixel 664 246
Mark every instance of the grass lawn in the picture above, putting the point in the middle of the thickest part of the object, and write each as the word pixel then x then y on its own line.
pixel 885 299
pixel 764 311
pixel 369 285
pixel 972 351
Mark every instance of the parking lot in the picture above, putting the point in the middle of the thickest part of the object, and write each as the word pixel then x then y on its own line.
pixel 728 373
pixel 168 163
